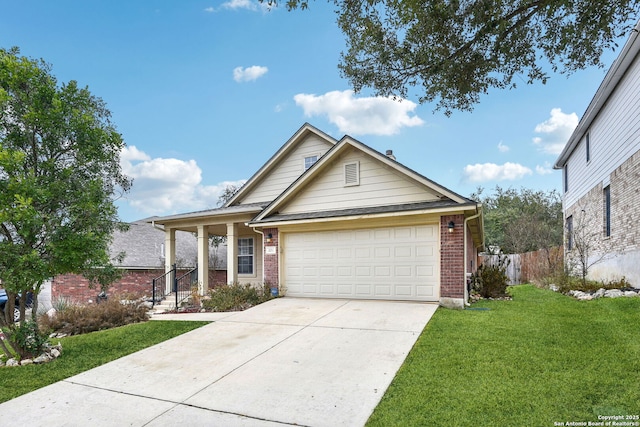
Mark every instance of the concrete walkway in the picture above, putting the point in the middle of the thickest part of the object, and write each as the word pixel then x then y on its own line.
pixel 290 361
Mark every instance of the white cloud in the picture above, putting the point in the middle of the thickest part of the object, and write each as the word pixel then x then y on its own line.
pixel 165 186
pixel 555 131
pixel 544 170
pixel 492 172
pixel 249 74
pixel 360 116
pixel 503 148
pixel 239 4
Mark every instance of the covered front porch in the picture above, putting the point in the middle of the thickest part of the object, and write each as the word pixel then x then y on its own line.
pixel 244 244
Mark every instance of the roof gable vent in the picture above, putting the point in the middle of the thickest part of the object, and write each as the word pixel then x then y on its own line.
pixel 352 174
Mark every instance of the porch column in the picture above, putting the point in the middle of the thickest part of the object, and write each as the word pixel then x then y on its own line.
pixel 169 254
pixel 232 253
pixel 203 259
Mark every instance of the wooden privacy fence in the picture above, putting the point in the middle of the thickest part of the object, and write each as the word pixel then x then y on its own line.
pixel 530 266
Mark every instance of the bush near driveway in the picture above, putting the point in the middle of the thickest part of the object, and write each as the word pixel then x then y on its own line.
pixel 539 359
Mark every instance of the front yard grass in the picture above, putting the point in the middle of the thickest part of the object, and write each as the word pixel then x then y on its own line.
pixel 543 359
pixel 83 352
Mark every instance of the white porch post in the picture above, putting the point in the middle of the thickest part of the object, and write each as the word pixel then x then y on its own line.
pixel 169 254
pixel 232 253
pixel 203 259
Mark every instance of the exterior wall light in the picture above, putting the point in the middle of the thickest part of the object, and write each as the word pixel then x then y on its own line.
pixel 452 225
pixel 269 237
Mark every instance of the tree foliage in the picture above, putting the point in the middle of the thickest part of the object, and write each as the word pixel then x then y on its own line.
pixel 454 51
pixel 59 172
pixel 521 221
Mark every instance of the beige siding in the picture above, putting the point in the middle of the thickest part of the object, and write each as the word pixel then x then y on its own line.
pixel 379 184
pixel 287 170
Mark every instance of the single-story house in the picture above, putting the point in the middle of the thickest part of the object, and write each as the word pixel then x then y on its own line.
pixel 143 248
pixel 601 174
pixel 337 219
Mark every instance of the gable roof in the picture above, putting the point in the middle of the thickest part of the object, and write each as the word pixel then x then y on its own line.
pixel 302 133
pixel 615 74
pixel 447 197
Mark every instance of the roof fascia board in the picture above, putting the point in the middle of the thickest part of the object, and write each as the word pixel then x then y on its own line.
pixel 607 87
pixel 440 211
pixel 196 218
pixel 304 130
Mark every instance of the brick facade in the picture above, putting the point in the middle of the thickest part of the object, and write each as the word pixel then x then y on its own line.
pixel 452 280
pixel 133 284
pixel 271 260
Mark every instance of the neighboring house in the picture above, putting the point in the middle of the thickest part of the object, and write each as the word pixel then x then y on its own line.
pixel 601 173
pixel 337 219
pixel 143 245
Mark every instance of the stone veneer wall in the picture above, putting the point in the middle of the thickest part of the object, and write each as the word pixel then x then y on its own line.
pixel 623 246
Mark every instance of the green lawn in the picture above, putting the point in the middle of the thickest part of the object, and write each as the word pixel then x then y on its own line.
pixel 83 352
pixel 539 360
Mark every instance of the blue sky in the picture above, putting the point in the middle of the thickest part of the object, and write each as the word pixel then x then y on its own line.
pixel 204 92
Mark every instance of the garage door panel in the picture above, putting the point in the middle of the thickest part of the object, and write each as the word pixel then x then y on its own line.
pixel 399 263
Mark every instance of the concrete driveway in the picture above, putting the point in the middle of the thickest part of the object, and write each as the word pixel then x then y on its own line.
pixel 290 361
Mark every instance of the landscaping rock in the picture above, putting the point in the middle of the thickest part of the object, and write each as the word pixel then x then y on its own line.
pixel 613 293
pixel 12 362
pixel 631 294
pixel 600 293
pixel 43 358
pixel 25 362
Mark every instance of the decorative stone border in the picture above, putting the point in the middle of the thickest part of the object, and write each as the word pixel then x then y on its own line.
pixel 50 353
pixel 605 293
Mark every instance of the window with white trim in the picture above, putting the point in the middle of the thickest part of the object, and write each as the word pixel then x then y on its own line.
pixel 351 174
pixel 245 255
pixel 309 161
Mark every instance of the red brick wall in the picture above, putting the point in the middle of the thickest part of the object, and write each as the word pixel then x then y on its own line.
pixel 134 283
pixel 271 272
pixel 452 280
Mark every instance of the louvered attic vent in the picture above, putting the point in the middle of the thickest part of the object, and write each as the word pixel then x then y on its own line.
pixel 352 174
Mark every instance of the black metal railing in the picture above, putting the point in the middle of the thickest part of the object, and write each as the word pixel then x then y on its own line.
pixel 184 285
pixel 163 285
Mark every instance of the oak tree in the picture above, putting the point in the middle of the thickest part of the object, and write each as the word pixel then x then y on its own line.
pixel 59 175
pixel 453 51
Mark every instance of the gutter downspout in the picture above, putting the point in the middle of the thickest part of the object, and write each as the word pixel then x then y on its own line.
pixel 261 250
pixel 466 290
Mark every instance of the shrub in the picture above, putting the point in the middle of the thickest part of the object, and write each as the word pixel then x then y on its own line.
pixel 80 319
pixel 566 282
pixel 236 297
pixel 29 339
pixel 490 280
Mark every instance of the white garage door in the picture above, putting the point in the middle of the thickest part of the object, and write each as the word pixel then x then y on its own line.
pixel 395 263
